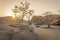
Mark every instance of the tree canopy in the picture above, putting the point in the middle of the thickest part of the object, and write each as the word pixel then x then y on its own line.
pixel 22 11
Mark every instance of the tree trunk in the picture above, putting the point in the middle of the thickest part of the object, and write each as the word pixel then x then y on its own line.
pixel 48 25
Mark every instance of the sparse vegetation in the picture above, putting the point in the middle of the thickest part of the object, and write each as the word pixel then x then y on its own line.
pixel 23 11
pixel 21 24
pixel 49 20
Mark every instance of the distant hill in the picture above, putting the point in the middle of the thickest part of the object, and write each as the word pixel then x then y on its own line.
pixel 36 18
pixel 7 20
pixel 43 20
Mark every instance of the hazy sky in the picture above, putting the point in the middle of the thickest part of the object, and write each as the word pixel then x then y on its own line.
pixel 39 6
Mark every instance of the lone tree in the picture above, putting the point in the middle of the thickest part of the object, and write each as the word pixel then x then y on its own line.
pixel 22 11
pixel 48 18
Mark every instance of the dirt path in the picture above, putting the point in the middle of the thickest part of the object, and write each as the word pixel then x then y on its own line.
pixel 48 34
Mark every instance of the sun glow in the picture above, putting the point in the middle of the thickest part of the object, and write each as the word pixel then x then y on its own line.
pixel 11 14
pixel 17 14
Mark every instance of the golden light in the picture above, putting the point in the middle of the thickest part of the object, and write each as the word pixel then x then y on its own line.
pixel 11 14
pixel 25 18
pixel 17 14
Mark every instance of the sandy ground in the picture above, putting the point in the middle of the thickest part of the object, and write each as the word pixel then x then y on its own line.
pixel 52 33
pixel 10 33
pixel 43 32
